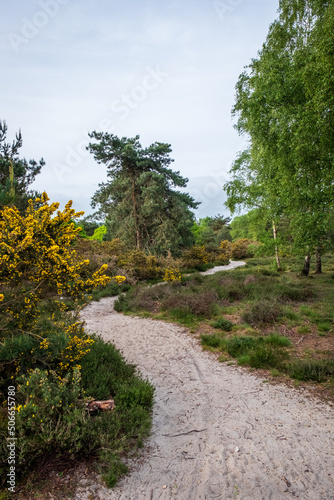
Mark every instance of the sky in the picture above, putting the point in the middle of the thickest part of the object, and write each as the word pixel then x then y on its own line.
pixel 163 70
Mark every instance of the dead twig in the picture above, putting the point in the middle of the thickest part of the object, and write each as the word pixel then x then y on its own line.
pixel 184 433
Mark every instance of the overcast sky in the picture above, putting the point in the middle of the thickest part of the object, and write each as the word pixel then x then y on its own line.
pixel 164 70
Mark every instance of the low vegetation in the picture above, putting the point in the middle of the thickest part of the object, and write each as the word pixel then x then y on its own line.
pixel 281 322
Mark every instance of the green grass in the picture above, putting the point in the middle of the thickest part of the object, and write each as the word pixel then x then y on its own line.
pixel 110 290
pixel 214 341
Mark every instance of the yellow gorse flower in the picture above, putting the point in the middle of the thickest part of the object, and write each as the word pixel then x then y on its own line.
pixel 172 274
pixel 119 279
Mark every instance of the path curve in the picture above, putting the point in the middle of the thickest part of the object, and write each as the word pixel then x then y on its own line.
pixel 232 265
pixel 240 438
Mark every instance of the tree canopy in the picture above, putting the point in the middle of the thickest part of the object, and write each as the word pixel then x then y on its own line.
pixel 139 202
pixel 284 103
pixel 211 230
pixel 16 174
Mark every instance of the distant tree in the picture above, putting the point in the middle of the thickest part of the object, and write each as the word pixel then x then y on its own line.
pixel 251 226
pixel 212 230
pixel 98 233
pixel 16 174
pixel 88 226
pixel 138 202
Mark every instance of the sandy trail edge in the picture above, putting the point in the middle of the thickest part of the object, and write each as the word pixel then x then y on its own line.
pixel 254 441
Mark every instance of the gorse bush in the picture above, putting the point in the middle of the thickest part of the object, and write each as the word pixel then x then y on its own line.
pixel 226 249
pixel 194 258
pixel 242 248
pixel 140 266
pixel 172 275
pixel 52 421
pixel 37 260
pixel 46 354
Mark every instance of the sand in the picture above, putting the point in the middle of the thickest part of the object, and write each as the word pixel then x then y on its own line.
pixel 219 432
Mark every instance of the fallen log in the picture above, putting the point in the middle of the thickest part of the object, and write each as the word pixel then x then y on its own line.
pixel 94 405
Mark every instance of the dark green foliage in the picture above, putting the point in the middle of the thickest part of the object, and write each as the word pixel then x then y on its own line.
pixel 259 352
pixel 312 369
pixel 266 356
pixel 210 231
pixel 121 304
pixel 114 472
pixel 236 346
pixel 293 292
pixel 212 341
pixel 15 190
pixel 267 272
pixel 88 226
pixel 223 324
pixel 278 340
pixel 139 202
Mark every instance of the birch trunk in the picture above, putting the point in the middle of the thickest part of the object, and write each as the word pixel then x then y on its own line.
pixel 307 263
pixel 318 261
pixel 276 248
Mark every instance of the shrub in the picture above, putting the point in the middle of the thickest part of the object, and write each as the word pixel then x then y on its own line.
pixel 262 312
pixel 241 249
pixel 291 292
pixel 311 369
pixel 200 303
pixel 51 418
pixel 140 265
pixel 223 324
pixel 212 341
pixel 225 250
pixel 38 261
pixel 45 400
pixel 278 340
pixel 260 352
pixel 239 345
pixel 265 355
pixel 216 254
pixel 194 257
pixel 172 275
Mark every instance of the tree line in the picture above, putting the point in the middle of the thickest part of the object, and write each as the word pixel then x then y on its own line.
pixel 284 179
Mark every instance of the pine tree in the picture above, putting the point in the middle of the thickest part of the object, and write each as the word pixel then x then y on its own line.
pixel 139 202
pixel 16 174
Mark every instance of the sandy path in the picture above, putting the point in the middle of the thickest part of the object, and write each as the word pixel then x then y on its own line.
pixel 242 438
pixel 232 265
